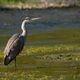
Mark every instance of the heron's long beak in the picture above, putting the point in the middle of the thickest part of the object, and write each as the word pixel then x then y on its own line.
pixel 33 19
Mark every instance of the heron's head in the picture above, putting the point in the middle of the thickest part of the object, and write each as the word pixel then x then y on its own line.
pixel 28 19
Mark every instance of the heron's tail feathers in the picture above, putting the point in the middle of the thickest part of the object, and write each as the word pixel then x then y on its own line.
pixel 7 60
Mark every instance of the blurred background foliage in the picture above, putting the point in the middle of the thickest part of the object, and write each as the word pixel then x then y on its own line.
pixel 41 3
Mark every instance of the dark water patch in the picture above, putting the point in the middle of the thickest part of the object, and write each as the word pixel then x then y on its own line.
pixel 11 19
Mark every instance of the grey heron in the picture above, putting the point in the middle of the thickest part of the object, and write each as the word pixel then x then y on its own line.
pixel 16 43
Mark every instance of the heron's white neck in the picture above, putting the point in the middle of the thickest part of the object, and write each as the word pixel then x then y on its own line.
pixel 24 31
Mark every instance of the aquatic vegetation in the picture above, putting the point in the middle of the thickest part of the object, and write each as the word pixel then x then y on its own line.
pixel 51 49
pixel 57 52
pixel 46 56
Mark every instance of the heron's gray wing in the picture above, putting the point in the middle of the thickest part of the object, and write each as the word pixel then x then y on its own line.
pixel 16 46
pixel 14 49
pixel 9 44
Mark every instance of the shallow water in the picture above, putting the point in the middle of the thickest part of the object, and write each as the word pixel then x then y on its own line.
pixel 10 20
pixel 52 49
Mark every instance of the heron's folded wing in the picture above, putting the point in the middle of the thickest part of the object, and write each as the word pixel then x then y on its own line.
pixel 9 43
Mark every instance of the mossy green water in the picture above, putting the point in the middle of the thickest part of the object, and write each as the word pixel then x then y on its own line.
pixel 47 56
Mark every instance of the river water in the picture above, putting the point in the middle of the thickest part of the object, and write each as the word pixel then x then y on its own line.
pixel 10 20
pixel 50 53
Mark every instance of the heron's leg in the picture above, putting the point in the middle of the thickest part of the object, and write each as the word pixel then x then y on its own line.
pixel 15 64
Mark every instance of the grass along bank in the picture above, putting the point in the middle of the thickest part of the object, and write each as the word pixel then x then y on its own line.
pixel 37 4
